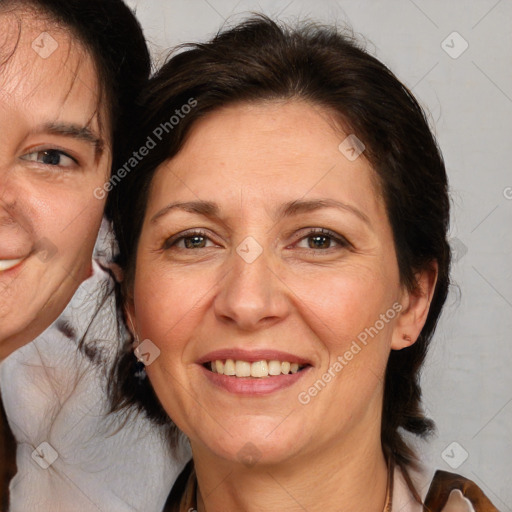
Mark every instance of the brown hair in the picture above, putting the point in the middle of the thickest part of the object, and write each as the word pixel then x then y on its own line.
pixel 260 60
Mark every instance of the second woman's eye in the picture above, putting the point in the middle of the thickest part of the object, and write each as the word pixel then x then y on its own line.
pixel 194 242
pixel 51 157
pixel 321 240
pixel 189 241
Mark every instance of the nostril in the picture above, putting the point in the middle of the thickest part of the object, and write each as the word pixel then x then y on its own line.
pixel 7 214
pixel 6 221
pixel 8 206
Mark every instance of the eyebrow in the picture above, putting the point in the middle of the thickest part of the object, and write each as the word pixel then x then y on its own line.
pixel 297 207
pixel 77 132
pixel 205 208
pixel 305 206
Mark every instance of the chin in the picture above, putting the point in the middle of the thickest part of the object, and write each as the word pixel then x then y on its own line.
pixel 255 448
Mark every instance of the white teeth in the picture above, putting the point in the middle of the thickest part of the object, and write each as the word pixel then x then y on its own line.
pixel 242 369
pixel 274 368
pixel 7 264
pixel 229 367
pixel 257 369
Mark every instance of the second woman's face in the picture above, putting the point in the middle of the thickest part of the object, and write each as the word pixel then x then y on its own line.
pixel 52 158
pixel 267 286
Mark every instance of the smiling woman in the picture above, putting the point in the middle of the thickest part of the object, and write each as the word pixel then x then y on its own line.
pixel 70 71
pixel 65 92
pixel 287 238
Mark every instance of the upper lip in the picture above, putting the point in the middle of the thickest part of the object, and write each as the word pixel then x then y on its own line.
pixel 252 356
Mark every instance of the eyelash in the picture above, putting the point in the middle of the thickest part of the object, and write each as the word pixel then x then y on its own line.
pixel 341 241
pixel 338 239
pixel 173 240
pixel 51 152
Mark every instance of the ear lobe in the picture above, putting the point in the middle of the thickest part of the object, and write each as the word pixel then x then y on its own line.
pixel 416 305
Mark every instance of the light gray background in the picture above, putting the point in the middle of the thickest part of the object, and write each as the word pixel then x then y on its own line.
pixel 467 380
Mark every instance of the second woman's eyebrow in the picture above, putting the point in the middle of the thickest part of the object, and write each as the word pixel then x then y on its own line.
pixel 211 209
pixel 305 206
pixel 205 208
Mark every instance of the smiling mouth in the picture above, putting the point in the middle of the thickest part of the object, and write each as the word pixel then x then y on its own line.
pixel 255 369
pixel 8 264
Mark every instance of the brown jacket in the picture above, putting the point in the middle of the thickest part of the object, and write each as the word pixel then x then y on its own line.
pixel 442 486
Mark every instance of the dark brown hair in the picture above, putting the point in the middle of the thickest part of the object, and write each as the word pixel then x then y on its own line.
pixel 262 60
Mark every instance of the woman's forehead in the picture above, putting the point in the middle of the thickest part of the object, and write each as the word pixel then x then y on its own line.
pixel 45 73
pixel 269 152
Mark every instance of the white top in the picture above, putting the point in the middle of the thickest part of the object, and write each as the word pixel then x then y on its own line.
pixel 71 456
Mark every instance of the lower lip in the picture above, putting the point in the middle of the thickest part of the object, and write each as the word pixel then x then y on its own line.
pixel 252 386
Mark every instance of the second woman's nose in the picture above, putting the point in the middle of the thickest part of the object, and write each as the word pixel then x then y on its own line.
pixel 251 295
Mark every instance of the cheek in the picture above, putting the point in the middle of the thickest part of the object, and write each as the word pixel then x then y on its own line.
pixel 342 304
pixel 353 339
pixel 73 227
pixel 351 316
pixel 167 310
pixel 168 305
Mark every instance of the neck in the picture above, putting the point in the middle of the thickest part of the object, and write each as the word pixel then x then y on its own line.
pixel 351 476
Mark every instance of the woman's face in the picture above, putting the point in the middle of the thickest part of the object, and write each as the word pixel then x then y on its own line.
pixel 52 157
pixel 263 241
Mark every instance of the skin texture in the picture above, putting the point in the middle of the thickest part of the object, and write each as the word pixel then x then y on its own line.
pixel 251 159
pixel 48 213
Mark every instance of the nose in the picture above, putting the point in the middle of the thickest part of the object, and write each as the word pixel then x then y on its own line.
pixel 252 295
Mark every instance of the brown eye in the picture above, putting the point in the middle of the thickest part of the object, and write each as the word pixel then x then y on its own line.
pixel 191 240
pixel 321 239
pixel 195 242
pixel 319 242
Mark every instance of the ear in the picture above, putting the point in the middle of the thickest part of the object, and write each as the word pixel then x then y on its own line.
pixel 415 307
